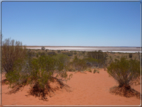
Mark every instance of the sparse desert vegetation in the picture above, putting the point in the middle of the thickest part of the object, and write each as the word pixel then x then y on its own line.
pixel 39 68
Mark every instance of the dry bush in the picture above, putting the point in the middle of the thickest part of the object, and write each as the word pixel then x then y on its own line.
pixel 12 52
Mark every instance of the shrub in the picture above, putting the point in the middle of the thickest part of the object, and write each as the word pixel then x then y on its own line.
pixel 79 64
pixel 91 62
pixel 59 51
pixel 95 70
pixel 14 63
pixel 42 71
pixel 61 61
pixel 124 71
pixel 71 69
pixel 12 51
pixel 89 70
pixel 42 48
pixel 100 56
pixel 130 55
pixel 51 53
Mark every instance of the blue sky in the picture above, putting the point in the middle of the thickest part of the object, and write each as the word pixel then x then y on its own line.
pixel 72 23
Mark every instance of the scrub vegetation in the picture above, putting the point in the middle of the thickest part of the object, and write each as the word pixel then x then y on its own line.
pixel 38 68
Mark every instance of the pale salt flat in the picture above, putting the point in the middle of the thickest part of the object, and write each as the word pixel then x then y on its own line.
pixel 89 48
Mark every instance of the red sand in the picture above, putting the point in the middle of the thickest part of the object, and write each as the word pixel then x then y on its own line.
pixel 85 89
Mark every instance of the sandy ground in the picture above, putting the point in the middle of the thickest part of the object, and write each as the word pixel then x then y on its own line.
pixel 85 89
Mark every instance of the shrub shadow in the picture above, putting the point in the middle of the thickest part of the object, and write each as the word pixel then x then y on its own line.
pixel 15 88
pixel 4 82
pixel 38 92
pixel 49 90
pixel 126 92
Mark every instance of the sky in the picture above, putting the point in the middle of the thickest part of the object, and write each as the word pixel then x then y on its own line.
pixel 72 23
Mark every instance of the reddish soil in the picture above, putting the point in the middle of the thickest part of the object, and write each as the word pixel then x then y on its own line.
pixel 85 89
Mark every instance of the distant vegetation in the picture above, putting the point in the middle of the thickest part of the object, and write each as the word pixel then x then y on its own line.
pixel 43 48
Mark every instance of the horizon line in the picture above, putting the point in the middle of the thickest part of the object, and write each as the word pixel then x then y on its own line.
pixel 78 46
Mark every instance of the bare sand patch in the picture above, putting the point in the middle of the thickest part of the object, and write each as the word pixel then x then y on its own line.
pixel 84 89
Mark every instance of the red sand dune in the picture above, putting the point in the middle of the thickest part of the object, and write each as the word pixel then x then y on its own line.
pixel 85 89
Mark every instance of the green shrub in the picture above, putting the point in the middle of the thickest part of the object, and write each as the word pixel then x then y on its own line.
pixel 42 70
pixel 61 62
pixel 99 56
pixel 12 77
pixel 79 64
pixel 91 62
pixel 124 71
